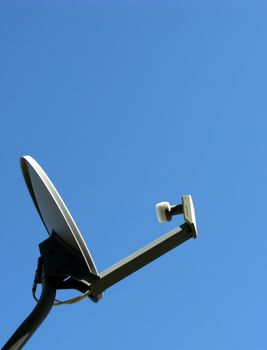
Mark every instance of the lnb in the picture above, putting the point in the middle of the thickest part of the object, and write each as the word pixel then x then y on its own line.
pixel 165 212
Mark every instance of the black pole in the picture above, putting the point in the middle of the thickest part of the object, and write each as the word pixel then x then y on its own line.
pixel 33 321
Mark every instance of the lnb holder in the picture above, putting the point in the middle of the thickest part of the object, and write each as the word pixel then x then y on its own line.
pixel 165 212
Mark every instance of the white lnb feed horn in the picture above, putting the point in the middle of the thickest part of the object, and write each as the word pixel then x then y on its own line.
pixel 165 212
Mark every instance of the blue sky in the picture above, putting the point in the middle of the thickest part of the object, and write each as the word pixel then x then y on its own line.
pixel 125 104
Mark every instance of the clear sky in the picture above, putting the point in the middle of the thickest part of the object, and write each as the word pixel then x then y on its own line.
pixel 125 104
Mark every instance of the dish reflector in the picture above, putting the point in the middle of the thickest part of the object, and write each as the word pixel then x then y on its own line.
pixel 53 211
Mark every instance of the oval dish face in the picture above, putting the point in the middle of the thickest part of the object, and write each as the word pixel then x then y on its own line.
pixel 53 210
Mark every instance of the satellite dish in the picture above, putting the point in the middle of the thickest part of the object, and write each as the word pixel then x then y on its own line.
pixel 65 261
pixel 53 211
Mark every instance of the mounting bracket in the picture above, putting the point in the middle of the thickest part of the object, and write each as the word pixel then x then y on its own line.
pixel 65 267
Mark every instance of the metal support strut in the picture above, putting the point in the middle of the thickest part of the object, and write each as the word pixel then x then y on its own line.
pixel 36 317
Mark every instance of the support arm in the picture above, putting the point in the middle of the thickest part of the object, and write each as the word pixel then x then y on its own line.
pixel 141 258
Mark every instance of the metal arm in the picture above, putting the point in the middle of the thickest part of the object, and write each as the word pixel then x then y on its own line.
pixel 141 258
pixel 33 321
